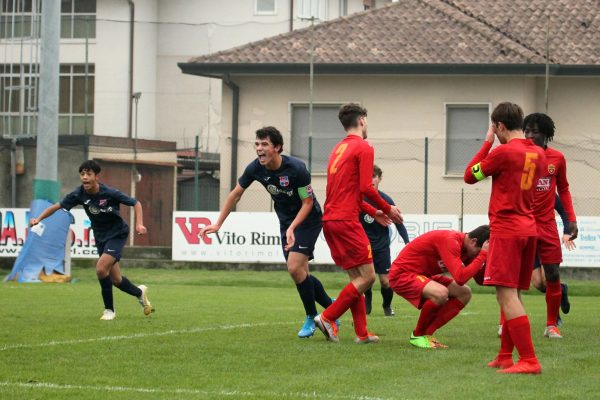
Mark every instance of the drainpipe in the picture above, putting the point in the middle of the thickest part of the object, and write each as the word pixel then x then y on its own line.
pixel 235 110
pixel 291 15
pixel 129 98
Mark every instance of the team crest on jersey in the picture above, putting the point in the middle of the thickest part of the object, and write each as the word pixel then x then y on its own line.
pixel 551 169
pixel 102 202
pixel 284 181
pixel 368 219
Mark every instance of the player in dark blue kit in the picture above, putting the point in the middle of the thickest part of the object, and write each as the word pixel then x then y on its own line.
pixel 379 237
pixel 101 204
pixel 288 181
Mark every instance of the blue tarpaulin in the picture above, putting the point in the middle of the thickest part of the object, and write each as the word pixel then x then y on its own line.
pixel 44 246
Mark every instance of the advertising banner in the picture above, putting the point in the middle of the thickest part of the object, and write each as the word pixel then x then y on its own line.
pixel 255 237
pixel 13 231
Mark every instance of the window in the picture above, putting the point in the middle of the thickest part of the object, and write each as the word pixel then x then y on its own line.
pixel 75 115
pixel 466 125
pixel 327 131
pixel 18 102
pixel 312 8
pixel 22 19
pixel 265 7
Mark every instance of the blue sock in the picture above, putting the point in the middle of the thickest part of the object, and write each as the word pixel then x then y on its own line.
pixel 321 295
pixel 306 291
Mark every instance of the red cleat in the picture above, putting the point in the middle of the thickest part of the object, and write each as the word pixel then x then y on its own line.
pixel 501 362
pixel 523 367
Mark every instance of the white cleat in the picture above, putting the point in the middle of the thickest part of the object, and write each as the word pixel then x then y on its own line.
pixel 552 332
pixel 144 302
pixel 108 315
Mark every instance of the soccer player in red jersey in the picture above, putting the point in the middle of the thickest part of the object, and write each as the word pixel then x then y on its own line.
pixel 515 167
pixel 349 178
pixel 416 275
pixel 540 128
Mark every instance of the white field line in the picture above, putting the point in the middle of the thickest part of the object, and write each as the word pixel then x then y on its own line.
pixel 139 335
pixel 195 392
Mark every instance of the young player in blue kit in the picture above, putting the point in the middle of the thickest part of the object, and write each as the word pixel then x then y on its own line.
pixel 379 237
pixel 288 181
pixel 101 204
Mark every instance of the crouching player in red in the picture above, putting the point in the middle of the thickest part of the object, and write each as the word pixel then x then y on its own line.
pixel 416 275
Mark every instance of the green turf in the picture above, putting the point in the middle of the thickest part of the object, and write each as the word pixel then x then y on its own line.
pixel 219 334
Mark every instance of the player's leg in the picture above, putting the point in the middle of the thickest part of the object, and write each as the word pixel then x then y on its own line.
pixel 103 265
pixel 382 263
pixel 362 277
pixel 459 297
pixel 553 300
pixel 517 322
pixel 121 282
pixel 297 264
pixel 369 300
pixel 350 249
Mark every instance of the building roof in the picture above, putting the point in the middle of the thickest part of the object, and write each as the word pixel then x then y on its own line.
pixel 429 35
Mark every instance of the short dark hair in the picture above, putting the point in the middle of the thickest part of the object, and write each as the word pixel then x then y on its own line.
pixel 90 165
pixel 273 134
pixel 350 113
pixel 510 114
pixel 544 124
pixel 481 233
pixel 377 171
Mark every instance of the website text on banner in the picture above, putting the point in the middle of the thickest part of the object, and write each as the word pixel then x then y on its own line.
pixel 13 231
pixel 255 237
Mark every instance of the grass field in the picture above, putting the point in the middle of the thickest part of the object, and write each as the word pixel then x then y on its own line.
pixel 219 334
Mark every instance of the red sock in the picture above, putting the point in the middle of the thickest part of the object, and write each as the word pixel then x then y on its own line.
pixel 520 333
pixel 345 299
pixel 506 343
pixel 553 297
pixel 502 318
pixel 428 314
pixel 445 314
pixel 359 317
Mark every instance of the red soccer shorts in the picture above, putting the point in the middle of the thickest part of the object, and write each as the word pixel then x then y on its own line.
pixel 509 261
pixel 348 243
pixel 548 244
pixel 410 285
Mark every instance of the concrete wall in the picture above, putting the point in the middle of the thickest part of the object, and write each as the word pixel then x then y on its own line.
pixel 402 112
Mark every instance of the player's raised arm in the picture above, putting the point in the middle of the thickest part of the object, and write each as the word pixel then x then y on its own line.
pixel 232 199
pixel 45 214
pixel 473 172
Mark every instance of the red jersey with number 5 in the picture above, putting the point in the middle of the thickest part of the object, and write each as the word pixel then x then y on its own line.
pixel 349 178
pixel 515 168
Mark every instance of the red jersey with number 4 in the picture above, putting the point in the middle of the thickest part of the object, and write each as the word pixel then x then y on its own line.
pixel 553 176
pixel 349 178
pixel 515 168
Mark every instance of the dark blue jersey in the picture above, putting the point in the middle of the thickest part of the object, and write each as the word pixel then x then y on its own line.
pixel 285 186
pixel 102 209
pixel 563 215
pixel 379 235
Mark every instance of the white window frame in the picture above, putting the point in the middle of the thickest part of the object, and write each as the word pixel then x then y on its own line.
pixel 463 104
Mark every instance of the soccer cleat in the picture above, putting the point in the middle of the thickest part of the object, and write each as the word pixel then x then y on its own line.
pixel 144 302
pixel 308 329
pixel 388 311
pixel 426 342
pixel 499 330
pixel 370 338
pixel 108 315
pixel 523 367
pixel 565 305
pixel 552 332
pixel 501 362
pixel 329 329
